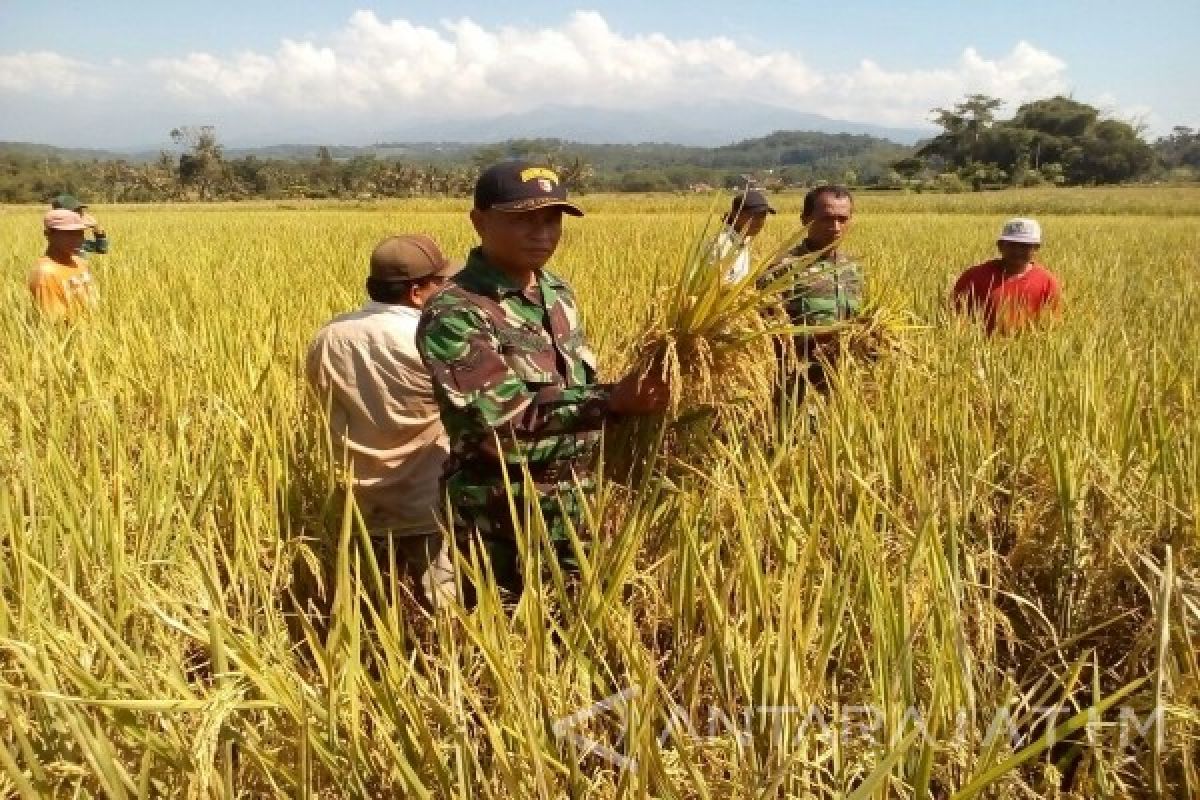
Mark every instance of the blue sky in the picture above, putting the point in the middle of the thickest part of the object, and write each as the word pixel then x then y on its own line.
pixel 116 73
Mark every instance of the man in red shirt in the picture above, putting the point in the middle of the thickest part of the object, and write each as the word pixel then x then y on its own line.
pixel 1010 291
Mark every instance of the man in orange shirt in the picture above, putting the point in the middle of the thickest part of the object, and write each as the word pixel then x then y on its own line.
pixel 61 282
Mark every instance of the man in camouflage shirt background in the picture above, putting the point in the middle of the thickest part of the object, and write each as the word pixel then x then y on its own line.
pixel 828 291
pixel 513 376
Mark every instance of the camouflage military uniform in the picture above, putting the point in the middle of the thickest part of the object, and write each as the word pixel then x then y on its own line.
pixel 825 292
pixel 514 380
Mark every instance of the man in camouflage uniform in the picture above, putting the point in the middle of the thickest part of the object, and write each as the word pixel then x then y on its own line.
pixel 513 376
pixel 827 291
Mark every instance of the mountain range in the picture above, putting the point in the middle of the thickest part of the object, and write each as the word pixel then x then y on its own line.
pixel 703 125
pixel 706 125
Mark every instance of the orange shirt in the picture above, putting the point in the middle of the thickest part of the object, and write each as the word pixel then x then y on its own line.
pixel 60 290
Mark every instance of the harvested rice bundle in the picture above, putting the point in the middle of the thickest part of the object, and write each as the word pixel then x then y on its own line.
pixel 717 344
pixel 711 360
pixel 878 330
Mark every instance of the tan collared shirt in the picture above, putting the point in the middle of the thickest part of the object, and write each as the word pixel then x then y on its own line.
pixel 382 414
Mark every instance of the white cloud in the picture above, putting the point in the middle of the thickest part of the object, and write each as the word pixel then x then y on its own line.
pixel 905 96
pixel 45 72
pixel 376 73
pixel 463 69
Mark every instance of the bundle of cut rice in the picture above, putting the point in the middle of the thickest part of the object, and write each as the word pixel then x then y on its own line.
pixel 717 344
pixel 878 330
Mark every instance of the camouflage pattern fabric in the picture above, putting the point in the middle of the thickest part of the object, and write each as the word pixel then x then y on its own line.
pixel 827 291
pixel 514 381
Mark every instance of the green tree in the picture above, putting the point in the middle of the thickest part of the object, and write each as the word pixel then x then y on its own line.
pixel 324 173
pixel 909 168
pixel 1179 149
pixel 1054 130
pixel 963 129
pixel 202 165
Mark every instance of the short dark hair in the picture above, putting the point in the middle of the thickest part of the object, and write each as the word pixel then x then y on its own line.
pixel 837 190
pixel 392 292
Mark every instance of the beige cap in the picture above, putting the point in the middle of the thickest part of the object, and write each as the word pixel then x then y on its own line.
pixel 62 219
pixel 411 256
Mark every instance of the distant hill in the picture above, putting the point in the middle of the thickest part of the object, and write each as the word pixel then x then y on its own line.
pixel 701 126
pixel 706 125
pixel 780 148
pixel 777 159
pixel 33 150
pixel 776 150
pixel 403 151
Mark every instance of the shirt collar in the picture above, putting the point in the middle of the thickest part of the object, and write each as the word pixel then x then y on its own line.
pixel 482 277
pixel 836 257
pixel 731 234
pixel 375 307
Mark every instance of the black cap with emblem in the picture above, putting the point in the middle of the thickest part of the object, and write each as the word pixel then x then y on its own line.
pixel 516 186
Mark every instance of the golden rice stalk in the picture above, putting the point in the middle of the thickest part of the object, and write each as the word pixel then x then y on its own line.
pixel 878 330
pixel 717 345
pixel 715 342
pixel 724 366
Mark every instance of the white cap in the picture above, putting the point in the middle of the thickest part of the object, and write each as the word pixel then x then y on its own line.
pixel 1022 230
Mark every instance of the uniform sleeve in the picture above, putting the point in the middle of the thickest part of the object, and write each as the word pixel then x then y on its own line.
pixel 98 245
pixel 774 271
pixel 855 290
pixel 48 295
pixel 475 377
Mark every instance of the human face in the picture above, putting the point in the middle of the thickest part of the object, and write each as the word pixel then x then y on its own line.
pixel 64 242
pixel 519 241
pixel 1015 256
pixel 829 221
pixel 750 223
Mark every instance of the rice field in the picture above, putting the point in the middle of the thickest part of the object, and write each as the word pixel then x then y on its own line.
pixel 974 571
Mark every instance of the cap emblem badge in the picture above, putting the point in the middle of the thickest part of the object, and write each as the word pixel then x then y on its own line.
pixel 539 172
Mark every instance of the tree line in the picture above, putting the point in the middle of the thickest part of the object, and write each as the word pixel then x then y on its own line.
pixel 1054 141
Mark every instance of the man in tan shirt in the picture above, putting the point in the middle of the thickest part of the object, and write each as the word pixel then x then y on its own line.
pixel 365 367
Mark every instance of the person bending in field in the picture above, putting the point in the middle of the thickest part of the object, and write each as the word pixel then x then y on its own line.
pixel 365 367
pixel 515 379
pixel 60 281
pixel 98 244
pixel 825 292
pixel 745 220
pixel 1009 292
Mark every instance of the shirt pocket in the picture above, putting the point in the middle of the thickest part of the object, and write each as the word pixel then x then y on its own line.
pixel 576 350
pixel 527 370
pixel 520 350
